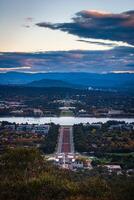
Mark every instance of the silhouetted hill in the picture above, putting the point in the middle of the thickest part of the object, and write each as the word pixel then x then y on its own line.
pixel 101 81
pixel 52 83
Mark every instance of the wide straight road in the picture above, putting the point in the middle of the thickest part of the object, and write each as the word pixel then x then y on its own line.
pixel 65 143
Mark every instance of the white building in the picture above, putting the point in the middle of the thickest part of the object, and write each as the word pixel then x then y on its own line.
pixel 41 129
pixel 115 112
pixel 113 168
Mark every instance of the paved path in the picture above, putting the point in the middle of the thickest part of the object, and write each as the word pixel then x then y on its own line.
pixel 66 142
pixel 65 150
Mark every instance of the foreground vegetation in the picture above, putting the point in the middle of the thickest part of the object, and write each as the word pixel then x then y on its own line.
pixel 116 146
pixel 25 174
pixel 49 144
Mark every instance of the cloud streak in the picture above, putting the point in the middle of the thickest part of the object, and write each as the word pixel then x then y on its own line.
pixel 14 68
pixel 117 59
pixel 98 25
pixel 98 43
pixel 28 22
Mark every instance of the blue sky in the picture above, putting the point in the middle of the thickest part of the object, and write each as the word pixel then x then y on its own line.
pixel 69 30
pixel 17 15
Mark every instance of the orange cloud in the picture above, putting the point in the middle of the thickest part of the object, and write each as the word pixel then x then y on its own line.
pixel 98 25
pixel 76 55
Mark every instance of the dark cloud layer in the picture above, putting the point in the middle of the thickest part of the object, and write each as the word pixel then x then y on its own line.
pixel 98 25
pixel 117 59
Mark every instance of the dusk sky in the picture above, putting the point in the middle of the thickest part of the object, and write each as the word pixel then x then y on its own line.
pixel 80 26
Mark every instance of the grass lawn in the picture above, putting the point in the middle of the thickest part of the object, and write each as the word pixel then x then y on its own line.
pixel 66 113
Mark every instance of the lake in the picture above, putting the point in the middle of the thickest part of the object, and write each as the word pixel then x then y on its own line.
pixel 62 120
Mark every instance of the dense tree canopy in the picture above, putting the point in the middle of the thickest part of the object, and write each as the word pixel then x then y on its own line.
pixel 25 174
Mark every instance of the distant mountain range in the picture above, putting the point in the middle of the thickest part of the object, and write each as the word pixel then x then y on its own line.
pixel 71 80
pixel 53 83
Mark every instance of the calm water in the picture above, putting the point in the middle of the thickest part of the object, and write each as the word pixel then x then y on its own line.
pixel 61 120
